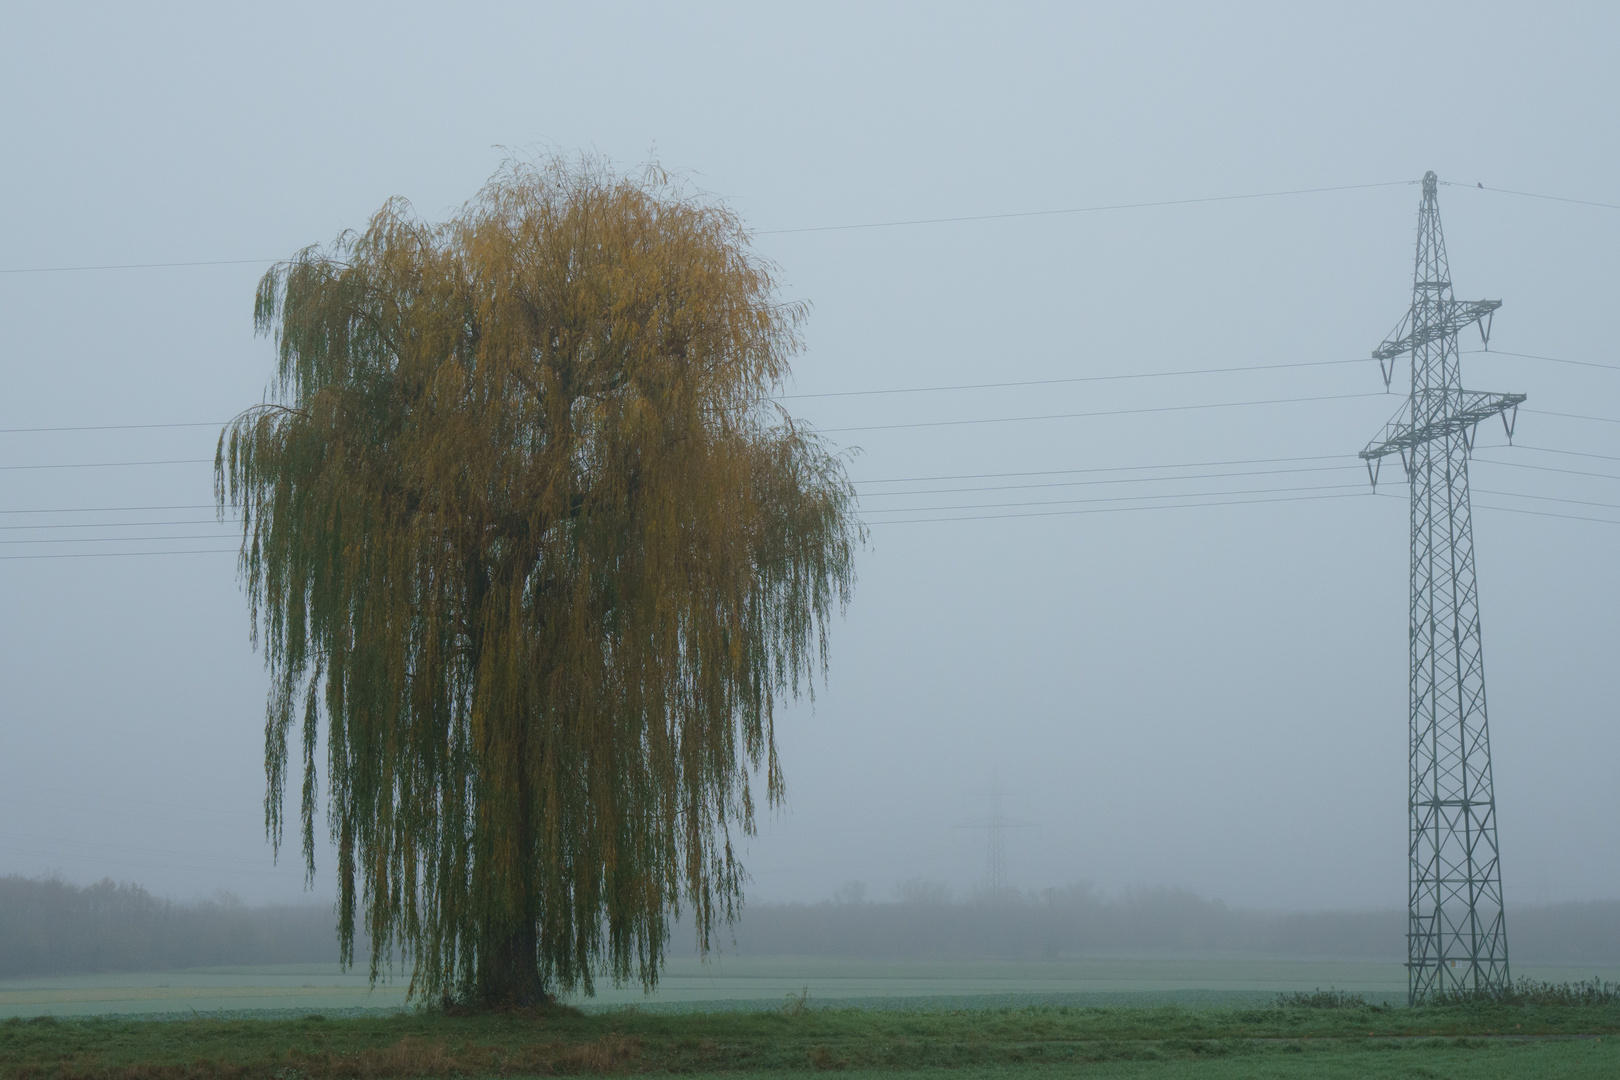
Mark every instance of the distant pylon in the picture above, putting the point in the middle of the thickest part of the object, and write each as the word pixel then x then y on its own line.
pixel 996 826
pixel 1456 937
pixel 996 869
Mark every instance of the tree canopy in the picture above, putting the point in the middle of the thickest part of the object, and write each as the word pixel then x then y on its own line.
pixel 523 527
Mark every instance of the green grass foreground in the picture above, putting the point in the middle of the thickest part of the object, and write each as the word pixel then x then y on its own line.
pixel 1475 1040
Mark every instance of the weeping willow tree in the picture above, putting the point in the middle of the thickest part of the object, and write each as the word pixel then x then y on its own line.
pixel 522 528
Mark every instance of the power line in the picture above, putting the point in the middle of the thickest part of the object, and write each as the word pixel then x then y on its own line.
pixel 1531 195
pixel 1205 497
pixel 1185 477
pixel 1112 468
pixel 876 427
pixel 1550 359
pixel 90 850
pixel 1077 379
pixel 939 491
pixel 1120 509
pixel 111 464
pixel 1211 465
pixel 830 393
pixel 1551 498
pixel 1083 209
pixel 1226 502
pixel 806 229
pixel 113 539
pixel 1119 498
pixel 1105 412
pixel 111 509
pixel 108 524
pixel 117 554
pixel 52 856
pixel 1547 513
pixel 962 386
pixel 1530 513
pixel 1571 416
pixel 1174 477
pixel 136 266
pixel 826 394
pixel 105 846
pixel 1538 498
pixel 77 796
pixel 100 427
pixel 900 223
pixel 1569 453
pixel 1547 468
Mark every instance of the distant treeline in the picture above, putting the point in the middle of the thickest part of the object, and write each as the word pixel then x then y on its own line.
pixel 1054 922
pixel 51 927
pixel 923 922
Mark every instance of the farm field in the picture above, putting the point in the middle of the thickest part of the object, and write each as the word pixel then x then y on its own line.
pixel 729 981
pixel 747 982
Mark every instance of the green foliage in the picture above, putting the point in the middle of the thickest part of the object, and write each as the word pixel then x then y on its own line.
pixel 1532 992
pixel 1322 999
pixel 520 523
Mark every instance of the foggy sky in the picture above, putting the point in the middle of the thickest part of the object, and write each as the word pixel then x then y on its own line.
pixel 1212 698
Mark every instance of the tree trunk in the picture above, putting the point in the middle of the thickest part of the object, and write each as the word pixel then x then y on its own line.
pixel 509 973
pixel 508 964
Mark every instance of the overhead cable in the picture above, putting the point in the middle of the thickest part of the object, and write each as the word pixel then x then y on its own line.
pixel 1549 359
pixel 1171 478
pixel 1117 498
pixel 1570 416
pixel 1547 468
pixel 811 228
pixel 1529 513
pixel 1531 195
pixel 111 509
pixel 110 464
pixel 108 524
pixel 1109 468
pixel 116 554
pixel 101 427
pixel 114 539
pixel 1122 509
pixel 1083 209
pixel 1076 379
pixel 1103 412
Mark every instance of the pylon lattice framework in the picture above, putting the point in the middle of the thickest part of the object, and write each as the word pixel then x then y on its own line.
pixel 996 826
pixel 1456 937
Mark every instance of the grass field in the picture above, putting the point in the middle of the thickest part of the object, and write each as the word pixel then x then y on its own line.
pixel 1141 1041
pixel 744 982
pixel 1140 1016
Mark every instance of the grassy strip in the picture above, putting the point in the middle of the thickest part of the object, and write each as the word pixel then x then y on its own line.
pixel 432 1044
pixel 1425 1061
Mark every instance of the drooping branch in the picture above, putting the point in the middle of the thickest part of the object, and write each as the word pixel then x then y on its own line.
pixel 521 529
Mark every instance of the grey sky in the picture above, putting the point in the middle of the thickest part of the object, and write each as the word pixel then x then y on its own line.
pixel 1206 697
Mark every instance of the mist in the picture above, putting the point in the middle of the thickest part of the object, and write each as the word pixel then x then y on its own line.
pixel 1191 690
pixel 49 926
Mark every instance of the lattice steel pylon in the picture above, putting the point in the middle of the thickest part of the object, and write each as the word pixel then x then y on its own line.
pixel 1456 937
pixel 996 826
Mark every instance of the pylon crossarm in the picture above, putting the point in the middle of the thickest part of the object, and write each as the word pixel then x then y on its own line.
pixel 1385 443
pixel 1451 317
pixel 1462 410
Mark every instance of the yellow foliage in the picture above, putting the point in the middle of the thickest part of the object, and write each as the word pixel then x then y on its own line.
pixel 521 522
